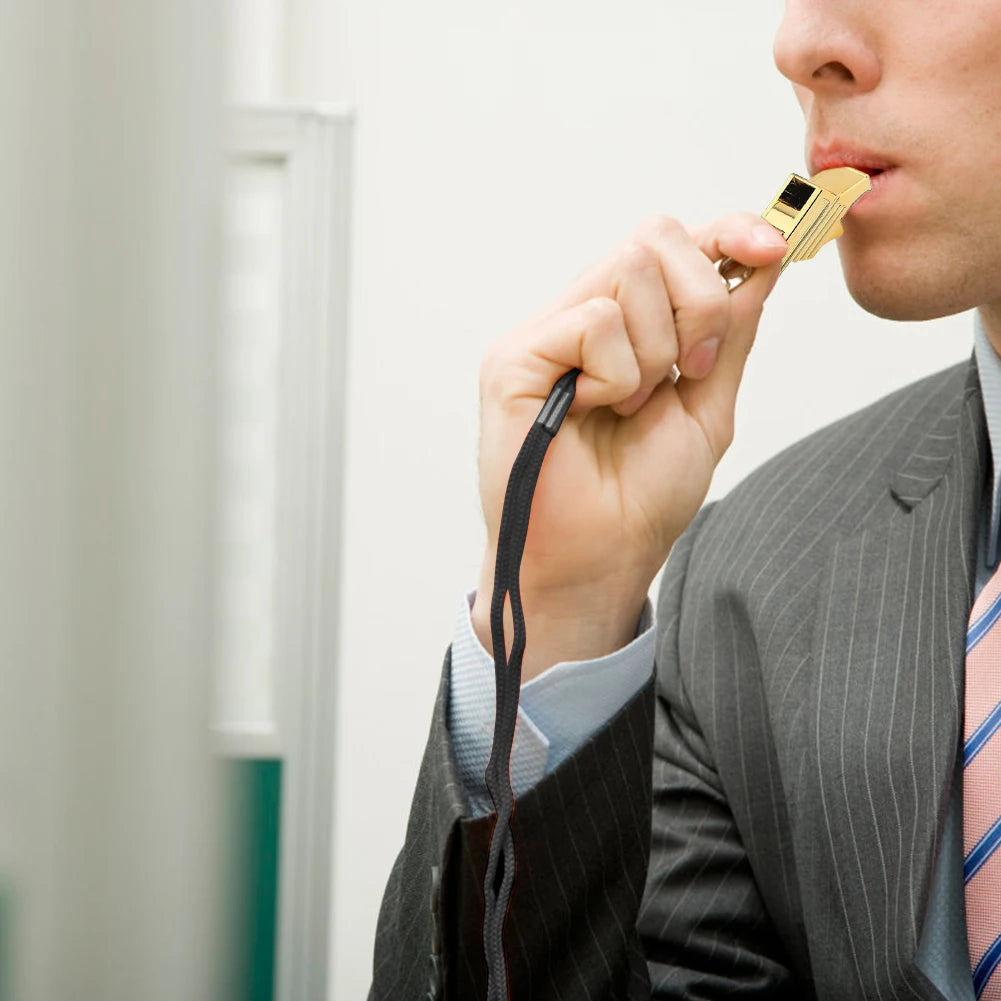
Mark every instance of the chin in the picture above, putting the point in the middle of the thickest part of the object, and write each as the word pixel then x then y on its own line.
pixel 896 303
pixel 906 290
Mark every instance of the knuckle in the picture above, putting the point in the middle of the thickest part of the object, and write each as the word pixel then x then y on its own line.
pixel 611 355
pixel 662 227
pixel 637 256
pixel 657 361
pixel 605 314
pixel 629 378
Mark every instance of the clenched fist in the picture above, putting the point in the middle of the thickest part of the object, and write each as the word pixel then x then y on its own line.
pixel 632 463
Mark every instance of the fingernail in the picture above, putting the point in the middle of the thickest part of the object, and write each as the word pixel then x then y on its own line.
pixel 768 236
pixel 701 359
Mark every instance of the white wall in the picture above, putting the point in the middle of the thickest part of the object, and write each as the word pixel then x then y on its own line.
pixel 500 149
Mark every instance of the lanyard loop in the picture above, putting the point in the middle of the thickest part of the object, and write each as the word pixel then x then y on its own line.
pixel 501 859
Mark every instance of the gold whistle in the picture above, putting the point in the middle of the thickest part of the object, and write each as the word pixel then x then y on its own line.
pixel 808 214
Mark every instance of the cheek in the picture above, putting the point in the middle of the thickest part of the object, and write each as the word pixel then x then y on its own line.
pixel 959 80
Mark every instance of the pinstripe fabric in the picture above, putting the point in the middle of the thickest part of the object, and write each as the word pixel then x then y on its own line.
pixel 401 965
pixel 804 727
pixel 817 651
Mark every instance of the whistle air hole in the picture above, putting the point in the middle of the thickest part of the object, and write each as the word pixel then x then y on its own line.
pixel 797 194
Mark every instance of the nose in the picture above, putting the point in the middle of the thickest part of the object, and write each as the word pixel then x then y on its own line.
pixel 822 45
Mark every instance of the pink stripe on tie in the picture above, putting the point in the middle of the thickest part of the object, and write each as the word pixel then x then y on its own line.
pixel 982 796
pixel 979 813
pixel 981 918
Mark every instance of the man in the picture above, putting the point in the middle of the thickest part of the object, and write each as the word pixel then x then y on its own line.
pixel 800 827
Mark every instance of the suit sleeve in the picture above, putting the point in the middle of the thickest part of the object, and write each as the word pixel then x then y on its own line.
pixel 704 925
pixel 576 929
pixel 582 837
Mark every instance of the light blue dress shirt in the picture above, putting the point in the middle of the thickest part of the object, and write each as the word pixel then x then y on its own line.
pixel 558 710
pixel 565 705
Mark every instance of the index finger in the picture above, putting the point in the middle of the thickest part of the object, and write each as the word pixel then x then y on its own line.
pixel 744 237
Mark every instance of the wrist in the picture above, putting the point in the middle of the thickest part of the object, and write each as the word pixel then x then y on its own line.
pixel 569 623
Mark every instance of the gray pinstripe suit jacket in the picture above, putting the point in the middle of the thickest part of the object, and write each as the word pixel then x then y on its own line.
pixel 764 819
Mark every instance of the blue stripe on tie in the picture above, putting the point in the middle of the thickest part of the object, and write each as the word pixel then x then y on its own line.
pixel 982 851
pixel 982 626
pixel 981 735
pixel 987 965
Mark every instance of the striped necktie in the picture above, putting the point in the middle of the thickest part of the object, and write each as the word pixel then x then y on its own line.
pixel 982 791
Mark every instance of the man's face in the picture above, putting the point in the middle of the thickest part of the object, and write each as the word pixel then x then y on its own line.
pixel 910 92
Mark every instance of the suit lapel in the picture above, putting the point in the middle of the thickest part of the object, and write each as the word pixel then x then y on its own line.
pixel 887 698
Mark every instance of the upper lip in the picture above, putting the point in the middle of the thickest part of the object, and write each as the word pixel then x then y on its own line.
pixel 823 156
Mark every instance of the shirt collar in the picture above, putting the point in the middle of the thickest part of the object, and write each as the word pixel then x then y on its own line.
pixel 989 371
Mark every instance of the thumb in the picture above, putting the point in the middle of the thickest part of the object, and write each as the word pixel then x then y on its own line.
pixel 711 401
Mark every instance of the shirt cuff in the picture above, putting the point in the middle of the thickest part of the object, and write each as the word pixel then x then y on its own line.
pixel 560 709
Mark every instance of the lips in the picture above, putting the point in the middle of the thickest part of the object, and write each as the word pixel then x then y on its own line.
pixel 881 170
pixel 826 156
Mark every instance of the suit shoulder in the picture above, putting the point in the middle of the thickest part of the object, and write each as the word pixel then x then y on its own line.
pixel 858 448
pixel 832 480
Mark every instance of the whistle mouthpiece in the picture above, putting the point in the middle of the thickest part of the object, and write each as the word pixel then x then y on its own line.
pixel 808 214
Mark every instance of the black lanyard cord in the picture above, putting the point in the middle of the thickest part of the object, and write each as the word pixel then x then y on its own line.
pixel 501 859
pixel 499 879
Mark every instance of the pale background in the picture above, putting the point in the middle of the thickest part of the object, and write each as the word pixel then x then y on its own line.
pixel 498 150
pixel 495 151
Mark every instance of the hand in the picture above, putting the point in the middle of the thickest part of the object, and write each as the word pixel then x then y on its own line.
pixel 633 461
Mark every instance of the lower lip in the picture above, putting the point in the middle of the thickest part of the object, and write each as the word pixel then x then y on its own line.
pixel 872 199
